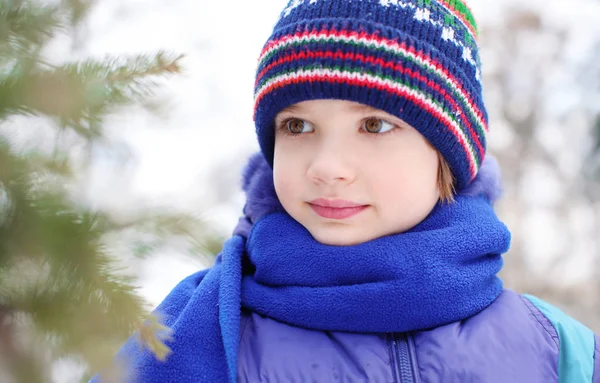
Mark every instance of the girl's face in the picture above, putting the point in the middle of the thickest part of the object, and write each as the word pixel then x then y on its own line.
pixel 350 173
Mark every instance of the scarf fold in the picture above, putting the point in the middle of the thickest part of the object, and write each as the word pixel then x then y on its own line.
pixel 441 271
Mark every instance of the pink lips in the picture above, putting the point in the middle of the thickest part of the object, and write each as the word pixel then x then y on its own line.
pixel 336 209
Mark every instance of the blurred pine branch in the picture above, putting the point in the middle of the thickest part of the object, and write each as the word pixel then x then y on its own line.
pixel 62 294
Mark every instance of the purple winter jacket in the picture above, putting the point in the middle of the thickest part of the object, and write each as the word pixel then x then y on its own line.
pixel 510 341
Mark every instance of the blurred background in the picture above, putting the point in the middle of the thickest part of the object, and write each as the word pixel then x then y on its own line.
pixel 124 126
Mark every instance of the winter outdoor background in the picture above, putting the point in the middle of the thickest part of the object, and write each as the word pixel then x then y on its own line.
pixel 542 87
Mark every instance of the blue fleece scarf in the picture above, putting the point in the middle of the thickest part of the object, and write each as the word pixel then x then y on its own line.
pixel 441 271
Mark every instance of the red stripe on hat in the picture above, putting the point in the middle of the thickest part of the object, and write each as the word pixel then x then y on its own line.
pixel 325 33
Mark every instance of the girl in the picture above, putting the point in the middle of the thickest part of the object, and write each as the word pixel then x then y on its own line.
pixel 369 248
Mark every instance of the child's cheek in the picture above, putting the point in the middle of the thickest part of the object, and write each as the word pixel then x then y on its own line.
pixel 286 184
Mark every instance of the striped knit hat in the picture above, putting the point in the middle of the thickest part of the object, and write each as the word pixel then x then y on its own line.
pixel 415 59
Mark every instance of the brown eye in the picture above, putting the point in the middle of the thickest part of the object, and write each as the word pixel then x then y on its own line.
pixel 377 125
pixel 297 126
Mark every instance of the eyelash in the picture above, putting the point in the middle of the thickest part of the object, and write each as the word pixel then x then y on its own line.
pixel 283 127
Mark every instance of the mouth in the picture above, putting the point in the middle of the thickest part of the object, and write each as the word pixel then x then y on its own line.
pixel 336 209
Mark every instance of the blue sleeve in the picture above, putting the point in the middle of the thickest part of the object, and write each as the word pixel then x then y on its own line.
pixel 579 350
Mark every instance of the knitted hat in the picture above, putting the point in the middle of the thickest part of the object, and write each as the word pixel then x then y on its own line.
pixel 415 59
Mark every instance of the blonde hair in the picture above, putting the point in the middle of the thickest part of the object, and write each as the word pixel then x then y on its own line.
pixel 445 181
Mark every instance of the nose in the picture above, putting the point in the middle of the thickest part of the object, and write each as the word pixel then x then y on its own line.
pixel 332 163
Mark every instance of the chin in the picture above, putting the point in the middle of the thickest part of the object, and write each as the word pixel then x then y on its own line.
pixel 338 237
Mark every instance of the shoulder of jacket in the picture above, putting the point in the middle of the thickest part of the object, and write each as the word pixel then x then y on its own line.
pixel 577 343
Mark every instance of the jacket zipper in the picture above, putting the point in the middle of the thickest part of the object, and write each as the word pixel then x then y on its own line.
pixel 401 360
